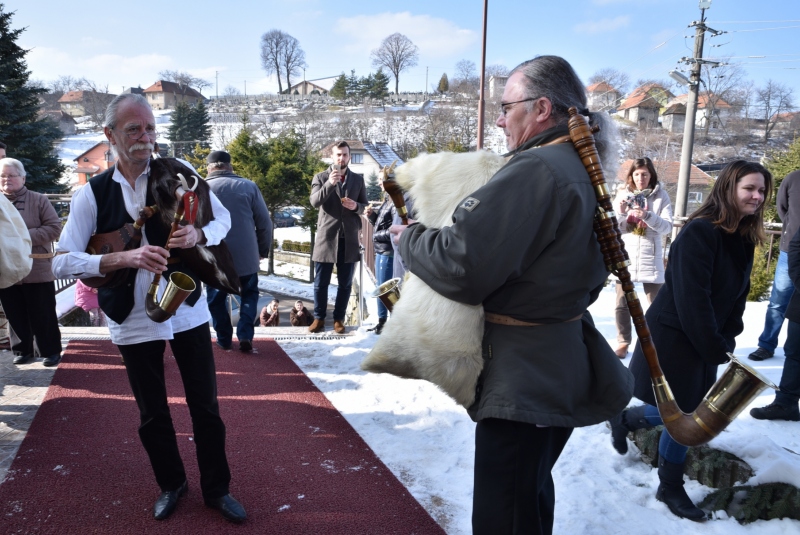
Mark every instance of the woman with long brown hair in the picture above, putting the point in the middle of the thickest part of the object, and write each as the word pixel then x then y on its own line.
pixel 697 314
pixel 644 218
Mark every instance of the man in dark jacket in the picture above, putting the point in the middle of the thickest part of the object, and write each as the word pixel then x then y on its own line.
pixel 785 405
pixel 788 204
pixel 248 240
pixel 523 246
pixel 340 195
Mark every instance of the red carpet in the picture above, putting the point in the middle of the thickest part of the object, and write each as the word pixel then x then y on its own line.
pixel 297 465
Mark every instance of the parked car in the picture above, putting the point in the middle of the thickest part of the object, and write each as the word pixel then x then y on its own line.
pixel 283 219
pixel 234 302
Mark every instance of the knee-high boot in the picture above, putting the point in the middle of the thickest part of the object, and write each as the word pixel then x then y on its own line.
pixel 625 422
pixel 671 491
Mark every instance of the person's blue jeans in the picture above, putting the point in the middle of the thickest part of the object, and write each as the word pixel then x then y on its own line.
pixel 220 317
pixel 789 389
pixel 668 449
pixel 322 279
pixel 384 267
pixel 782 290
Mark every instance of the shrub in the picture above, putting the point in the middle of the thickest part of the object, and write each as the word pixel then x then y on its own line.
pixel 761 277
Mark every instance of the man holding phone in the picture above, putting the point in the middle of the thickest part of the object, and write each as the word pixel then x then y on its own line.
pixel 340 196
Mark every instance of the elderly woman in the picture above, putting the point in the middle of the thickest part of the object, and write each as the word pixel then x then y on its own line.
pixel 30 305
pixel 270 316
pixel 645 217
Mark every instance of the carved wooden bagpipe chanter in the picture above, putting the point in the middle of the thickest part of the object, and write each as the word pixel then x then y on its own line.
pixel 178 201
pixel 738 385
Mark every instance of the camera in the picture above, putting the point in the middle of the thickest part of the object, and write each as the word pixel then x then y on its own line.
pixel 637 200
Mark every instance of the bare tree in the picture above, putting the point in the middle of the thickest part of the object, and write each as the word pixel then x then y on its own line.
pixel 184 78
pixel 397 53
pixel 65 84
pixel 773 99
pixel 721 83
pixel 294 59
pixel 616 79
pixel 466 79
pixel 273 44
pixel 231 91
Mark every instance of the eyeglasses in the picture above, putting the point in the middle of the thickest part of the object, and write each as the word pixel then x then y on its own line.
pixel 135 132
pixel 10 176
pixel 504 106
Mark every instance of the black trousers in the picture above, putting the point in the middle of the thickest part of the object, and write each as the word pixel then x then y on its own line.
pixel 514 490
pixel 145 366
pixel 31 312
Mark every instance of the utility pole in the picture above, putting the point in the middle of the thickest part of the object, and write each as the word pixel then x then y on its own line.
pixel 216 75
pixel 481 101
pixel 245 89
pixel 682 196
pixel 425 93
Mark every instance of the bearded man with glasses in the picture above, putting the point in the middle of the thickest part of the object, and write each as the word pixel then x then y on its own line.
pixel 523 246
pixel 110 200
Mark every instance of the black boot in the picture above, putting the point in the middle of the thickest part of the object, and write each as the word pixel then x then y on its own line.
pixel 625 422
pixel 379 327
pixel 671 492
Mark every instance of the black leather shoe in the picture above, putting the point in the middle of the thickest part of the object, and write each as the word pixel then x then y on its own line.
pixel 760 354
pixel 231 509
pixel 22 359
pixel 166 503
pixel 245 346
pixel 52 360
pixel 776 411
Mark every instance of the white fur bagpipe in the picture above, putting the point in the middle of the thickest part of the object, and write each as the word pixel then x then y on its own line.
pixel 442 347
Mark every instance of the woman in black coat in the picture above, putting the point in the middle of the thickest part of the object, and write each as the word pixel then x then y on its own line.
pixel 697 315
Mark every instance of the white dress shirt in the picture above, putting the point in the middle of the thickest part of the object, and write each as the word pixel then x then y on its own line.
pixel 80 227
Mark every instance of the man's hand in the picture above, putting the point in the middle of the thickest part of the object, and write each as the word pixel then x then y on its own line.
pixel 334 177
pixel 148 257
pixel 349 203
pixel 368 210
pixel 184 238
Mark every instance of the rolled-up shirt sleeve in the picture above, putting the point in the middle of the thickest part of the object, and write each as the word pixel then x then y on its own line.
pixel 81 224
pixel 216 230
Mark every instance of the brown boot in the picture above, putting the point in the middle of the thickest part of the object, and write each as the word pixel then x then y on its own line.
pixel 338 326
pixel 317 327
pixel 622 351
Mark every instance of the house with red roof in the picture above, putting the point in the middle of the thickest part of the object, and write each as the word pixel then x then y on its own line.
pixel 164 95
pixel 602 97
pixel 644 105
pixel 710 108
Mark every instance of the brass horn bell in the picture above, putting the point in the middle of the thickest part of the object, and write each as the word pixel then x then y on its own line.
pixel 388 293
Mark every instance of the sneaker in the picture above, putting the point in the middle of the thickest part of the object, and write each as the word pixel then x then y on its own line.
pixel 338 326
pixel 775 411
pixel 52 360
pixel 245 346
pixel 760 354
pixel 318 326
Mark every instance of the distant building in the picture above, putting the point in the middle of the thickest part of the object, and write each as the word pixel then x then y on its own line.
pixel 94 161
pixel 643 106
pixel 164 95
pixel 709 108
pixel 81 103
pixel 320 86
pixel 674 118
pixel 602 97
pixel 134 90
pixel 497 84
pixel 66 123
pixel 366 157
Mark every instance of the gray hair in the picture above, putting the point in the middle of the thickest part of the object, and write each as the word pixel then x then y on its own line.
pixel 553 77
pixel 16 164
pixel 110 120
pixel 215 166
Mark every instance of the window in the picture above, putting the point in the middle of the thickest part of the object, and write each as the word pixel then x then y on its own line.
pixel 357 158
pixel 696 196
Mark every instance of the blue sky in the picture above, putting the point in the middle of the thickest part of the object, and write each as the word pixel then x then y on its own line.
pixel 124 43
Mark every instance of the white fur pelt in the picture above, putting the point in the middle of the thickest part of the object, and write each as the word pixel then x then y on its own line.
pixel 429 336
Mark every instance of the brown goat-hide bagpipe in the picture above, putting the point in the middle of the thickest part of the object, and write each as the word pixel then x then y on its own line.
pixel 212 264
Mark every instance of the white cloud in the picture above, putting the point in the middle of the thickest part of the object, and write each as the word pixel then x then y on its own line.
pixel 602 25
pixel 435 37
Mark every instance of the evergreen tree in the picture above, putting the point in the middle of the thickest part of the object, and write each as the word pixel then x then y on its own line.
pixel 199 129
pixel 279 166
pixel 380 86
pixel 339 89
pixel 444 84
pixel 365 86
pixel 373 189
pixel 180 130
pixel 30 139
pixel 198 159
pixel 353 85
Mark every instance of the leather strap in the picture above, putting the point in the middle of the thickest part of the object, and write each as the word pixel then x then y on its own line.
pixel 502 319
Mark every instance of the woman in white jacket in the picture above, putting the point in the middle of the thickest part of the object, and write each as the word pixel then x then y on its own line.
pixel 644 214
